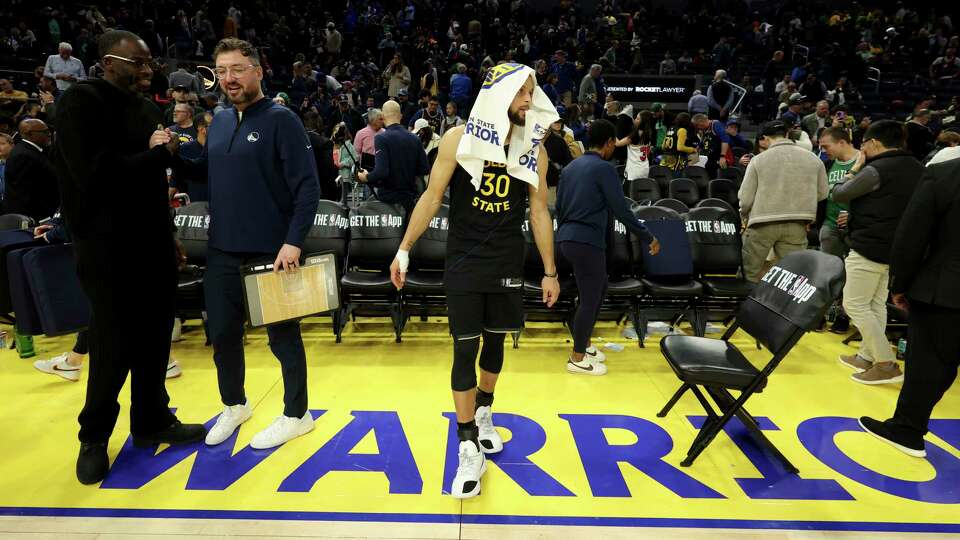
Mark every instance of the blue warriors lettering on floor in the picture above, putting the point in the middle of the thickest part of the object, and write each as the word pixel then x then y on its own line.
pixel 599 459
pixel 494 189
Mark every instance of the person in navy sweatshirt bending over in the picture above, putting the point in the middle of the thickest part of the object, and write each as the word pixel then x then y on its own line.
pixel 264 193
pixel 589 191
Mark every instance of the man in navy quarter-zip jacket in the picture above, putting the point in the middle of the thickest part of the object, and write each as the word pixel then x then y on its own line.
pixel 264 194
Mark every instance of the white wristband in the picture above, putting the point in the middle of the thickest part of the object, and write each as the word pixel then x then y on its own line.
pixel 403 257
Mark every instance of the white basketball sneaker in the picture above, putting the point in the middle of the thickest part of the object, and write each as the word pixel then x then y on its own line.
pixel 58 366
pixel 283 429
pixel 229 421
pixel 490 441
pixel 472 465
pixel 595 354
pixel 173 369
pixel 586 366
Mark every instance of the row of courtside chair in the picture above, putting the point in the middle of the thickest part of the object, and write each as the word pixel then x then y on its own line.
pixel 695 278
pixel 686 188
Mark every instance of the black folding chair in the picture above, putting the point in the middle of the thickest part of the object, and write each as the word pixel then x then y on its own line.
pixel 684 190
pixel 192 222
pixel 789 301
pixel 716 203
pixel 376 229
pixel 662 175
pixel 673 204
pixel 724 188
pixel 716 246
pixel 669 290
pixel 533 306
pixel 329 234
pixel 424 293
pixel 699 175
pixel 623 288
pixel 644 189
pixel 733 173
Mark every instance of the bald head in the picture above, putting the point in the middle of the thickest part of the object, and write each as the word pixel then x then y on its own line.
pixel 391 112
pixel 29 125
pixel 35 131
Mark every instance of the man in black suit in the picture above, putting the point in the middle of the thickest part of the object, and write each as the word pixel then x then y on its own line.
pixel 116 205
pixel 30 176
pixel 925 281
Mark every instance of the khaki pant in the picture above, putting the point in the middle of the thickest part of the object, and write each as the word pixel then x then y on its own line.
pixel 865 301
pixel 782 237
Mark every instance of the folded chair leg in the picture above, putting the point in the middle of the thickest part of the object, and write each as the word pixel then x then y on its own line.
pixel 707 433
pixel 764 442
pixel 642 329
pixel 397 317
pixel 711 426
pixel 726 401
pixel 635 321
pixel 673 400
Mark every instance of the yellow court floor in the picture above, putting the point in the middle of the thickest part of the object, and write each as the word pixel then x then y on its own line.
pixel 581 451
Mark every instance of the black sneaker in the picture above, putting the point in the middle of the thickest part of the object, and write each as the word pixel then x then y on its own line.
pixel 883 432
pixel 841 325
pixel 92 463
pixel 177 433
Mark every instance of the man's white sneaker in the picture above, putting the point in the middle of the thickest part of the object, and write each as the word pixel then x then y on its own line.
pixel 227 423
pixel 595 354
pixel 173 369
pixel 586 366
pixel 472 465
pixel 490 441
pixel 283 429
pixel 58 366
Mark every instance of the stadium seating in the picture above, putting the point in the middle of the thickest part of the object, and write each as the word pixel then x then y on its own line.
pixel 716 249
pixel 193 223
pixel 725 189
pixel 644 189
pixel 423 292
pixel 684 190
pixel 673 204
pixel 670 292
pixel 699 175
pixel 376 229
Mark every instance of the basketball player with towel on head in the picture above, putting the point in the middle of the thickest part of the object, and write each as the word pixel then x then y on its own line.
pixel 491 164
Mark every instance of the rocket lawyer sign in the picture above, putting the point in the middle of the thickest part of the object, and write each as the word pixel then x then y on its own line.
pixel 627 88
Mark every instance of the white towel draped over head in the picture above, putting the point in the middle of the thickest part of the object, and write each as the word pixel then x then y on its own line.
pixel 484 137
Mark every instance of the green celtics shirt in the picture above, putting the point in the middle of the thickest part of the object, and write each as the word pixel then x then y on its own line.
pixel 835 175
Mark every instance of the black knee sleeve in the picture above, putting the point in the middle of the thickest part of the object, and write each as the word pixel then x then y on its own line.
pixel 491 356
pixel 464 374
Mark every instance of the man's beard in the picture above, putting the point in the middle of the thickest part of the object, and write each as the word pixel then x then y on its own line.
pixel 515 118
pixel 246 96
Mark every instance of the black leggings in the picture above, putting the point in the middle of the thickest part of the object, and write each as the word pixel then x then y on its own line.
pixel 590 270
pixel 81 347
pixel 463 376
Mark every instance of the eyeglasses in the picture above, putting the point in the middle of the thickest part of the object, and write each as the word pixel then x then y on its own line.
pixel 139 63
pixel 232 71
